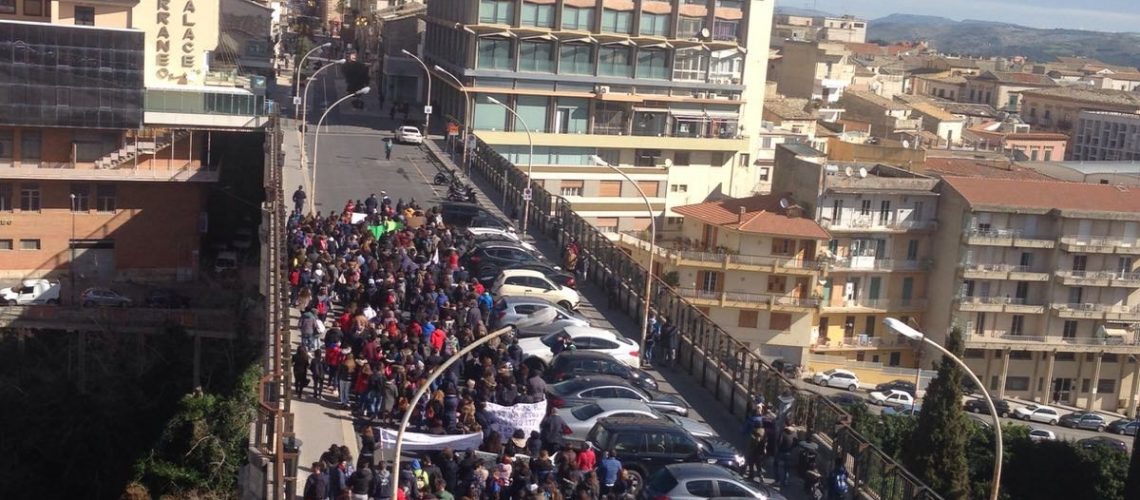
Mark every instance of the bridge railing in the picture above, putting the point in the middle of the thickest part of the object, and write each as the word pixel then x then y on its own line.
pixel 734 374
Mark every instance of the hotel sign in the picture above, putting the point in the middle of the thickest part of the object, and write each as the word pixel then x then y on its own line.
pixel 185 57
pixel 181 35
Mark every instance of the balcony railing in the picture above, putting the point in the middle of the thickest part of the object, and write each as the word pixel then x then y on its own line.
pixel 871 264
pixel 1017 301
pixel 772 299
pixel 1098 308
pixel 1113 242
pixel 721 257
pixel 1001 268
pixel 1004 336
pixel 862 342
pixel 883 304
pixel 874 223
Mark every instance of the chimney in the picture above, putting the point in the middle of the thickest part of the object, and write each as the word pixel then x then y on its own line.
pixel 740 218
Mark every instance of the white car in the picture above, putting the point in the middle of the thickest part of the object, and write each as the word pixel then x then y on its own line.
pixel 31 292
pixel 1038 413
pixel 580 419
pixel 409 135
pixel 1037 435
pixel 836 377
pixel 529 283
pixel 891 398
pixel 583 338
pixel 498 234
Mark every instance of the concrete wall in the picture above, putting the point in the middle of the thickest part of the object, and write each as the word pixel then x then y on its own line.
pixel 848 151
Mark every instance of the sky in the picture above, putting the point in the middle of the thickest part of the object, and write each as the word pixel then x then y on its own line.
pixel 1096 15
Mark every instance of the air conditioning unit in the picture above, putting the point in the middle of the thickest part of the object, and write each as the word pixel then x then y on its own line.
pixel 603 89
pixel 702 95
pixel 713 95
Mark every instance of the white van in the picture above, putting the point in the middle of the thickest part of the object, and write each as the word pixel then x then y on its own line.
pixel 31 292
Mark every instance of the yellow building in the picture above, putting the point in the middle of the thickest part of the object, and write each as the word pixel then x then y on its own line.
pixel 750 265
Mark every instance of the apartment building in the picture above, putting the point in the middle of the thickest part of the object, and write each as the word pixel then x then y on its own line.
pixel 1057 109
pixel 1042 277
pixel 887 117
pixel 106 126
pixel 671 92
pixel 816 70
pixel 789 27
pixel 750 265
pixel 875 265
pixel 1106 136
pixel 1001 89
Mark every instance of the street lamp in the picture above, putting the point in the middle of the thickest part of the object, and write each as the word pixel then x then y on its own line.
pixel 466 113
pixel 427 101
pixel 317 145
pixel 910 333
pixel 72 245
pixel 305 110
pixel 529 159
pixel 300 70
pixel 652 243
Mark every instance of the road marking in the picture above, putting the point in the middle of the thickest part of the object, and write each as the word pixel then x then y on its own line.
pixel 426 181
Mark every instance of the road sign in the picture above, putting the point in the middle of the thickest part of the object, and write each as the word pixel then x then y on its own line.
pixel 296 100
pixel 527 194
pixel 427 110
pixel 452 129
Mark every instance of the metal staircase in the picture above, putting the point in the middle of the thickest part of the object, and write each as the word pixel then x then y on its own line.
pixel 141 146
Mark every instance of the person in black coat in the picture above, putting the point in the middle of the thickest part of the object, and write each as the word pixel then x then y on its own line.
pixel 550 431
pixel 449 469
pixel 317 486
pixel 361 481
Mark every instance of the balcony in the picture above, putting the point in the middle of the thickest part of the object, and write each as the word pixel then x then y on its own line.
pixel 873 224
pixel 748 300
pixel 885 265
pixel 1101 245
pixel 887 305
pixel 862 343
pixel 1007 238
pixel 1095 311
pixel 163 157
pixel 1000 339
pixel 1012 305
pixel 1003 272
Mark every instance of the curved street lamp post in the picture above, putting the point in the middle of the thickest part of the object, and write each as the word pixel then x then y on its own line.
pixel 305 110
pixel 466 114
pixel 317 145
pixel 427 100
pixel 529 159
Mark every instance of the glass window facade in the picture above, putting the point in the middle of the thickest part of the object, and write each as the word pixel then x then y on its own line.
pixel 576 59
pixel 532 109
pixel 496 11
pixel 495 53
pixel 537 14
pixel 31 147
pixel 652 63
pixel 725 30
pixel 62 76
pixel 689 27
pixel 572 115
pixel 690 64
pixel 578 18
pixel 488 115
pixel 654 24
pixel 617 21
pixel 536 57
pixel 614 61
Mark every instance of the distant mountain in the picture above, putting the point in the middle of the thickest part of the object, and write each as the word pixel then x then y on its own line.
pixel 987 38
pixel 799 11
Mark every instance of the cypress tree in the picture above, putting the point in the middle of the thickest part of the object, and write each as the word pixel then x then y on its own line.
pixel 937 451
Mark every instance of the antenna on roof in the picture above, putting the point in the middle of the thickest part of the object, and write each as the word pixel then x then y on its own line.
pixel 863 172
pixel 784 203
pixel 847 171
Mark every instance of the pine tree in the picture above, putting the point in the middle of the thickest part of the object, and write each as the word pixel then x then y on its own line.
pixel 937 452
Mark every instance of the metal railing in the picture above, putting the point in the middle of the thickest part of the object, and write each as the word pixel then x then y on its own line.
pixel 205 322
pixel 1104 275
pixel 1002 268
pixel 1102 242
pixel 722 257
pixel 1016 301
pixel 1094 307
pixel 867 264
pixel 733 372
pixel 1004 336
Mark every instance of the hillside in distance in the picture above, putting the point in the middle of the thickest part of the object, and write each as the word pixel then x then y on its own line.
pixel 985 38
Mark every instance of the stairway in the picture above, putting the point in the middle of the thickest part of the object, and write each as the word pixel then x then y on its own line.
pixel 141 146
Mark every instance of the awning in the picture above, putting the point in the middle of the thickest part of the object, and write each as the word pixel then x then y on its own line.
pixel 650 110
pixel 576 37
pixel 618 42
pixel 658 45
pixel 723 115
pixel 544 36
pixel 498 34
pixel 692 114
pixel 1112 331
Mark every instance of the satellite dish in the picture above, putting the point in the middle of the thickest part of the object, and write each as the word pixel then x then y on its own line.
pixel 784 203
pixel 705 33
pixel 863 172
pixel 847 171
pixel 668 163
pixel 906 144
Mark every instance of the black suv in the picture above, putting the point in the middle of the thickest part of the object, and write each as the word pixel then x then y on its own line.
pixel 979 406
pixel 645 445
pixel 571 364
pixel 897 385
pixel 497 254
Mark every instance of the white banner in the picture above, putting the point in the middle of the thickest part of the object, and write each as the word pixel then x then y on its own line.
pixel 356 218
pixel 525 416
pixel 416 441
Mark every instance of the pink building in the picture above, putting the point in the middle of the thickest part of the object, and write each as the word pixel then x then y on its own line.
pixel 1037 146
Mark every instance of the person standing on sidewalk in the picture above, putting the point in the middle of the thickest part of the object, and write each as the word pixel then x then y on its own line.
pixel 387 149
pixel 299 198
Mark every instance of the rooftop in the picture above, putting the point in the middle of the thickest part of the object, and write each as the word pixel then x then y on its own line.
pixel 789 108
pixel 1036 136
pixel 1096 167
pixel 984 167
pixel 876 99
pixel 982 193
pixel 1017 78
pixel 1086 94
pixel 762 214
pixel 968 109
pixel 932 111
pixel 949 79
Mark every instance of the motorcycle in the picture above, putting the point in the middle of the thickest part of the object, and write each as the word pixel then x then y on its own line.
pixel 808 471
pixel 441 178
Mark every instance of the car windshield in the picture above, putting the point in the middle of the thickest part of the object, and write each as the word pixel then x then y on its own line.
pixel 586 412
pixel 662 482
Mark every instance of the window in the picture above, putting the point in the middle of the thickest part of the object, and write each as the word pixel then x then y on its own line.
pixel 865 207
pixel 609 189
pixel 1066 356
pixel 779 321
pixel 731 490
pixel 1085 383
pixel 748 319
pixel 1048 154
pixel 646 157
pixel 724 30
pixel 679 188
pixel 576 59
pixel 578 18
pixel 1069 330
pixel 496 11
pixel 650 188
pixel 975 353
pixel 912 250
pixel 537 14
pixel 105 197
pixel 80 197
pixel 708 281
pixel 5 197
pixel 610 156
pixel 1105 386
pixel 837 211
pixel 30 197
pixel 716 159
pixel 1017 325
pixel 782 246
pixel 495 53
pixel 36 8
pixel 691 64
pixel 690 27
pixel 6 244
pixel 651 63
pixel 606 224
pixel 654 24
pixel 536 57
pixel 681 159
pixel 7 148
pixel 765 172
pixel 31 147
pixel 613 61
pixel 777 283
pixel 700 489
pixel 30 244
pixel 84 16
pixel 1017 383
pixel 7 6
pixel 616 21
pixel 884 212
pixel 743 160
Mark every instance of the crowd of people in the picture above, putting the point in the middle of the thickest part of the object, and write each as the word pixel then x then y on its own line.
pixel 382 306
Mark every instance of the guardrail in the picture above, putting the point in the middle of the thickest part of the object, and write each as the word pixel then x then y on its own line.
pixel 733 373
pixel 204 322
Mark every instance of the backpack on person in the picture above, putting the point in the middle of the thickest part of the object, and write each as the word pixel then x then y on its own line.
pixel 839 481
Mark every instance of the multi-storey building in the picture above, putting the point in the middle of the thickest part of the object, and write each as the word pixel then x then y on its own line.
pixel 875 265
pixel 1106 136
pixel 108 115
pixel 668 91
pixel 749 264
pixel 815 70
pixel 1042 277
pixel 1057 109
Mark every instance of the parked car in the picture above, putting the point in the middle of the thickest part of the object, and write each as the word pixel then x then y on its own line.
pixel 1124 426
pixel 903 409
pixel 409 135
pixel 847 400
pixel 534 284
pixel 1083 420
pixel 645 445
pixel 553 273
pixel 836 377
pixel 483 234
pixel 582 418
pixel 1103 441
pixel 1038 413
pixel 784 367
pixel 498 254
pixel 891 397
pixel 539 351
pixel 979 406
pixel 693 481
pixel 570 364
pixel 513 310
pixel 585 390
pixel 1037 435
pixel 897 385
pixel 166 299
pixel 103 297
pixel 31 292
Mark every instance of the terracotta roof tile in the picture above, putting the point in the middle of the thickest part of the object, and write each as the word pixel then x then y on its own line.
pixel 762 214
pixel 973 167
pixel 1018 78
pixel 1031 194
pixel 1089 95
pixel 789 108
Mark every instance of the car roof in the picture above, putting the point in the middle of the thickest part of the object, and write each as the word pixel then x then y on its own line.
pixel 610 404
pixel 639 421
pixel 487 230
pixel 579 331
pixel 686 471
pixel 586 353
pixel 599 380
pixel 522 299
pixel 522 272
pixel 405 127
pixel 499 244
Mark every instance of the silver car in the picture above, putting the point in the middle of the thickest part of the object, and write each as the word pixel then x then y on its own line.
pixel 580 419
pixel 694 481
pixel 532 314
